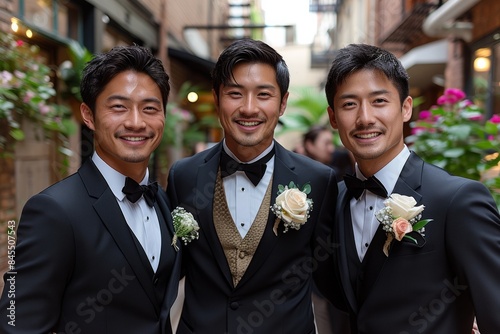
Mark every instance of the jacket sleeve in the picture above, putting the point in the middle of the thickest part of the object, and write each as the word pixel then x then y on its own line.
pixel 473 243
pixel 42 263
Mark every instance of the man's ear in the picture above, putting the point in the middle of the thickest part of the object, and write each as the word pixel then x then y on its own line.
pixel 331 115
pixel 284 102
pixel 407 109
pixel 88 116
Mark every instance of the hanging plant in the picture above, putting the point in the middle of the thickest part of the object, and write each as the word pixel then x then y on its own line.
pixel 27 93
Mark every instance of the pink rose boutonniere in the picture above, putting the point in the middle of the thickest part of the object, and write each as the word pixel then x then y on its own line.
pixel 400 219
pixel 292 206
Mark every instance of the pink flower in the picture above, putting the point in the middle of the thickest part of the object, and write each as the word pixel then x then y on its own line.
pixel 451 96
pixel 29 95
pixel 442 100
pixel 401 226
pixel 19 74
pixel 467 103
pixel 6 77
pixel 495 119
pixel 477 117
pixel 455 93
pixel 19 43
pixel 417 130
pixel 44 109
pixel 425 114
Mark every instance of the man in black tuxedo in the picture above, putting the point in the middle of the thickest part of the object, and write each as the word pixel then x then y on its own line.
pixel 246 273
pixel 94 250
pixel 448 274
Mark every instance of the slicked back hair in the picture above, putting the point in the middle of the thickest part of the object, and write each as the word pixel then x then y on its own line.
pixel 249 51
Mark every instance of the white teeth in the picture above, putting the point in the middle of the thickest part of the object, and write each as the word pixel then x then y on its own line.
pixel 248 123
pixel 369 135
pixel 134 138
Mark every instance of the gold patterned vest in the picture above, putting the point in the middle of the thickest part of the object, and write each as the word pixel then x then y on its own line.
pixel 239 251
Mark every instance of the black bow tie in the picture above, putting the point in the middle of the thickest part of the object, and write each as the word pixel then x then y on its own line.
pixel 356 186
pixel 254 171
pixel 134 191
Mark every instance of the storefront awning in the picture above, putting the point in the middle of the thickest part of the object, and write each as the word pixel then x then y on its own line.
pixel 201 65
pixel 424 62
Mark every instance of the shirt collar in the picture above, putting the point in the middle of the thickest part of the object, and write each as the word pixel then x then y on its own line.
pixel 114 179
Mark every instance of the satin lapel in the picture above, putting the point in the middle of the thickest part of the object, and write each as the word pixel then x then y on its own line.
pixel 162 206
pixel 205 185
pixel 343 222
pixel 283 174
pixel 410 179
pixel 173 282
pixel 112 217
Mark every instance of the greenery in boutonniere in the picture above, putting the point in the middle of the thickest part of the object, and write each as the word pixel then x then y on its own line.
pixel 185 227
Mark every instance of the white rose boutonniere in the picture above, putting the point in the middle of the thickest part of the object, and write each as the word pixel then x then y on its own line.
pixel 185 227
pixel 401 220
pixel 292 206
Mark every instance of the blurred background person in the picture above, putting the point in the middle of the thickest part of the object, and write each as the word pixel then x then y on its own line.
pixel 318 144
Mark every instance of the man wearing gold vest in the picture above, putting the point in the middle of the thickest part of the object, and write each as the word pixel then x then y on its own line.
pixel 264 213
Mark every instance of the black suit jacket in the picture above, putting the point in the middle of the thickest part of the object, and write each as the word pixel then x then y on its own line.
pixel 80 268
pixel 439 287
pixel 274 295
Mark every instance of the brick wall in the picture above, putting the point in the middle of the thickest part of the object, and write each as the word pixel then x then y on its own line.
pixel 7 201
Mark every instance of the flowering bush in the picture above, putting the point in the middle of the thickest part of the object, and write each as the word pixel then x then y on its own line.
pixel 26 91
pixel 455 136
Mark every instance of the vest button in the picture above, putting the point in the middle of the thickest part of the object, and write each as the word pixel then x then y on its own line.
pixel 242 254
pixel 234 305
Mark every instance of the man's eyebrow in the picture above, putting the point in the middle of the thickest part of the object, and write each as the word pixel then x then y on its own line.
pixel 374 93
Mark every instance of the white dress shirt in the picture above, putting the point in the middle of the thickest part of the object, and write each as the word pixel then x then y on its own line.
pixel 363 210
pixel 243 198
pixel 140 217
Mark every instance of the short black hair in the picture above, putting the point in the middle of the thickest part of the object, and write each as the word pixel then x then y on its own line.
pixel 356 57
pixel 105 66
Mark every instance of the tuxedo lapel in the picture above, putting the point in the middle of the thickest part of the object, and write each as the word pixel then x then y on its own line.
pixel 167 250
pixel 109 211
pixel 344 222
pixel 410 179
pixel 205 185
pixel 283 174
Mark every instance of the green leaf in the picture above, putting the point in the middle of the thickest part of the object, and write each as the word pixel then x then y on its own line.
pixel 411 238
pixel 291 185
pixel 453 152
pixel 462 131
pixel 491 128
pixel 306 189
pixel 17 134
pixel 420 224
